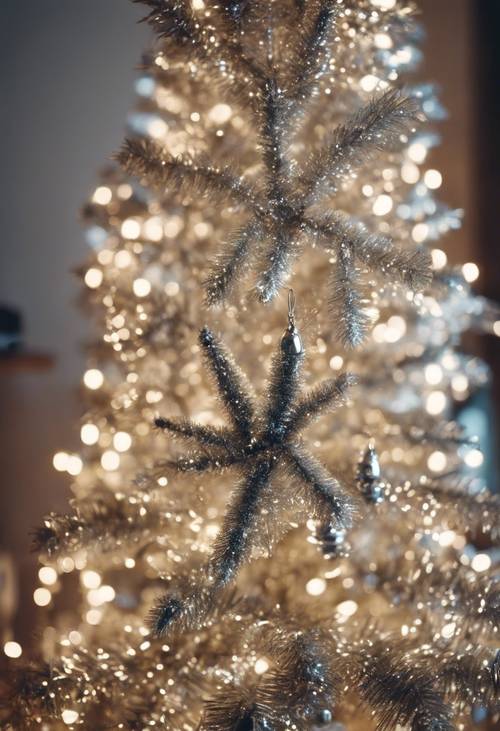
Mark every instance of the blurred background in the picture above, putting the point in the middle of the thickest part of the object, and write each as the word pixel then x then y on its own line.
pixel 67 76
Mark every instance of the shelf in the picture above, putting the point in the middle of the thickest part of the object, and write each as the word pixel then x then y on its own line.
pixel 25 361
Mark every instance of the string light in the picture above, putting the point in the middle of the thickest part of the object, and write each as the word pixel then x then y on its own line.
pixel 93 379
pixel 13 649
pixel 435 403
pixel 261 666
pixel 481 562
pixel 74 465
pixel 60 461
pixel 437 461
pixel 42 597
pixel 89 434
pixel 220 113
pixel 336 362
pixel 316 586
pixel 347 609
pixel 410 173
pixel 470 272
pixel 420 232
pixel 90 579
pixel 47 575
pixel 369 82
pixel 382 205
pixel 439 259
pixel 123 259
pixel 141 287
pixel 130 229
pixel 110 460
pixel 93 278
pixel 474 458
pixel 69 716
pixel 433 374
pixel 122 441
pixel 433 179
pixel 417 152
pixel 102 195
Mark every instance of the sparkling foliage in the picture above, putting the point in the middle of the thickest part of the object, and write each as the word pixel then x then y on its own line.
pixel 282 128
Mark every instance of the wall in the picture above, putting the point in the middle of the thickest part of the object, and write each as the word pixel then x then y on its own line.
pixel 66 74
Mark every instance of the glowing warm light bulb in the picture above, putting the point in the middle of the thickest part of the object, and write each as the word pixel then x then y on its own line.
pixel 369 82
pixel 141 287
pixel 384 4
pixel 347 608
pixel 433 374
pixel 157 128
pixel 420 232
pixel 481 562
pixel 89 434
pixel 435 403
pixel 74 465
pixel 448 630
pixel 93 278
pixel 382 40
pixel 130 229
pixel 316 586
pixel 460 383
pixel 417 152
pixel 410 173
pixel 171 289
pixel 93 616
pixel 122 441
pixel 153 228
pixel 102 195
pixel 13 649
pixel 433 179
pixel 123 259
pixel 42 597
pixel 47 575
pixel 437 461
pixel 69 717
pixel 470 271
pixel 220 113
pixel 110 460
pixel 439 258
pixel 67 565
pixel 336 362
pixel 93 378
pixel 261 665
pixel 60 461
pixel 382 205
pixel 75 637
pixel 395 329
pixel 474 458
pixel 90 579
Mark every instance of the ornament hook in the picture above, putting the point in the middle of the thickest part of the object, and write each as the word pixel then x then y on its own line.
pixel 291 308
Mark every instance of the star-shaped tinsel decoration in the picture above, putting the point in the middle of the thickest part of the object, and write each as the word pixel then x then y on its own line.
pixel 261 442
pixel 291 205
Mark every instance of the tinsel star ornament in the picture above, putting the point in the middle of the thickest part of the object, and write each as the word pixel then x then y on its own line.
pixel 293 204
pixel 262 443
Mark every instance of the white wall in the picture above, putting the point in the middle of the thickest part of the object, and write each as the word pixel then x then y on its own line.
pixel 66 79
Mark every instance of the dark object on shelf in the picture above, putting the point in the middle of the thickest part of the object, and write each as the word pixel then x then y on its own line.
pixel 11 326
pixel 13 358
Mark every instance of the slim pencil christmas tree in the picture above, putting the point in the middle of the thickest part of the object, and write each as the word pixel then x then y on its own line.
pixel 277 521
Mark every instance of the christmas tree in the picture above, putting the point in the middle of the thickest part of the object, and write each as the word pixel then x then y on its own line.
pixel 276 522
